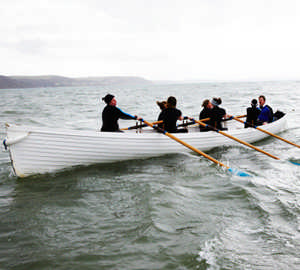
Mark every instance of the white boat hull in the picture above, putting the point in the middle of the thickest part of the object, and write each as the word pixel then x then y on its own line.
pixel 43 150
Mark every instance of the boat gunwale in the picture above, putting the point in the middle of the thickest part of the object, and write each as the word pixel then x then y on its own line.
pixel 131 134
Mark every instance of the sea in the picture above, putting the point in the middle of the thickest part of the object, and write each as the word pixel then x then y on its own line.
pixel 176 211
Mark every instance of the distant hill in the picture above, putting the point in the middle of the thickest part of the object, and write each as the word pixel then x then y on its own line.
pixel 59 81
pixel 7 82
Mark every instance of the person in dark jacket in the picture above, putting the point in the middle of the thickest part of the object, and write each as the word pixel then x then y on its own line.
pixel 170 115
pixel 111 114
pixel 252 114
pixel 206 113
pixel 162 104
pixel 217 114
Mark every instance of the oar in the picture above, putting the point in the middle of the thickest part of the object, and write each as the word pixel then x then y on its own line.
pixel 265 131
pixel 180 125
pixel 236 139
pixel 160 122
pixel 143 125
pixel 232 170
pixel 229 118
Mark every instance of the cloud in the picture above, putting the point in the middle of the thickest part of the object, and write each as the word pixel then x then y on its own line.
pixel 167 39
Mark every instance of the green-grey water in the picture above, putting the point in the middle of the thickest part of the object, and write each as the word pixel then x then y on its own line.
pixel 170 212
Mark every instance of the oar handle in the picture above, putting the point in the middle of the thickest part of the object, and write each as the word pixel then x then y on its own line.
pixel 228 119
pixel 139 126
pixel 265 131
pixel 236 139
pixel 160 122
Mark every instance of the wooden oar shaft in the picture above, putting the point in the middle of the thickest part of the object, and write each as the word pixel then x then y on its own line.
pixel 196 150
pixel 228 119
pixel 188 145
pixel 139 126
pixel 236 139
pixel 160 122
pixel 267 132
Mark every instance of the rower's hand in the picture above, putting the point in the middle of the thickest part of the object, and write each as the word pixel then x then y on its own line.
pixel 138 118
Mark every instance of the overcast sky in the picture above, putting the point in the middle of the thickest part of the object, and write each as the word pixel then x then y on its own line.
pixel 155 39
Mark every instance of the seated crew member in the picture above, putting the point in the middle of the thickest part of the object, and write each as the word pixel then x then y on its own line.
pixel 217 114
pixel 252 114
pixel 170 115
pixel 162 105
pixel 206 113
pixel 266 114
pixel 111 114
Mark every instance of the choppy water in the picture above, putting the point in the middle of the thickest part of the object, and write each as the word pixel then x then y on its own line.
pixel 170 212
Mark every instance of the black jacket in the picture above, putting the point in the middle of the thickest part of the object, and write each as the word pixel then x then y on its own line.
pixel 110 117
pixel 216 117
pixel 252 116
pixel 205 113
pixel 170 117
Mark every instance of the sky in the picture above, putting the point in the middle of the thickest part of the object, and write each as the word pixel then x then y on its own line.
pixel 156 39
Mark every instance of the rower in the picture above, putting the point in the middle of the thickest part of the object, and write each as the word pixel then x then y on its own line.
pixel 218 114
pixel 206 113
pixel 162 105
pixel 170 115
pixel 252 114
pixel 266 115
pixel 111 114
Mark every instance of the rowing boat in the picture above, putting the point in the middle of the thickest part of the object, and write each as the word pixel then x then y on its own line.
pixel 38 150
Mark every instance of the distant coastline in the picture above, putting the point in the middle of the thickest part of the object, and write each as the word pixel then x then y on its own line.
pixel 9 82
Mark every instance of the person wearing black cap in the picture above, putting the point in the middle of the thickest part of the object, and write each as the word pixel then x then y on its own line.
pixel 252 114
pixel 111 114
pixel 217 114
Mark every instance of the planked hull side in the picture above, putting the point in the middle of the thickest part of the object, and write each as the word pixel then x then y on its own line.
pixel 41 150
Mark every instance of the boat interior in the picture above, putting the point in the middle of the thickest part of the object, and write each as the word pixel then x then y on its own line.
pixel 192 128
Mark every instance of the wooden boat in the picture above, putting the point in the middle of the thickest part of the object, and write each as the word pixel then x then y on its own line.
pixel 35 150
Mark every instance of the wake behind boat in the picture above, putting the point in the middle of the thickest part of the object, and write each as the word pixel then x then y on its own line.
pixel 36 150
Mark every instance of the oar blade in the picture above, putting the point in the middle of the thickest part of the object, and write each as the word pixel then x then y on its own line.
pixel 294 162
pixel 238 172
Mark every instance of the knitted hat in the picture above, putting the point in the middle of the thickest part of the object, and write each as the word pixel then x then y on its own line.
pixel 107 99
pixel 254 102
